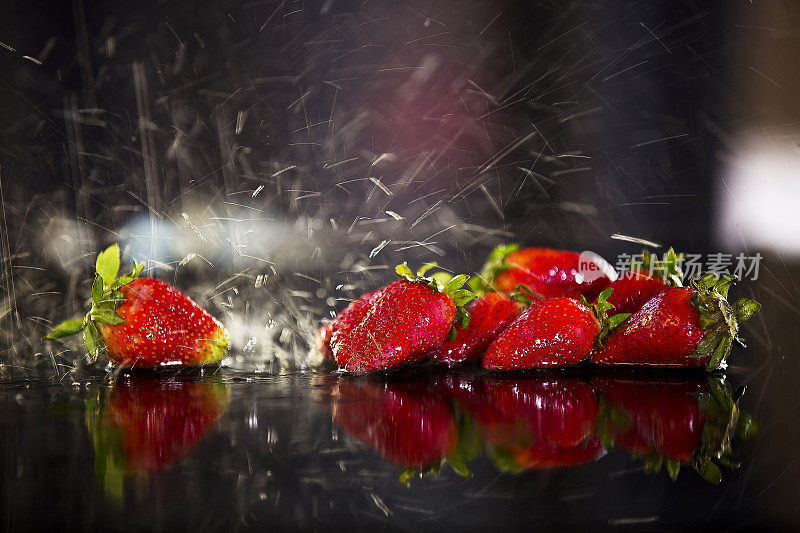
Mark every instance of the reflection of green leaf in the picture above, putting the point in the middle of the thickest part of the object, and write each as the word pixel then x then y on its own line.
pixel 673 467
pixel 710 472
pixel 502 459
pixel 407 475
pixel 108 263
pixel 109 456
pixel 459 467
pixel 748 427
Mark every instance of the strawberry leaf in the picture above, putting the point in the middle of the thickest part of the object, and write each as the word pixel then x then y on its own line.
pixel 425 268
pixel 93 341
pixel 615 320
pixel 494 266
pixel 456 283
pixel 66 329
pixel 667 269
pixel 105 316
pixel 97 290
pixel 744 309
pixel 107 265
pixel 404 272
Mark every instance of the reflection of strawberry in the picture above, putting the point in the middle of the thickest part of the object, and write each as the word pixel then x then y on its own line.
pixel 546 271
pixel 681 327
pixel 673 422
pixel 535 423
pixel 557 412
pixel 664 414
pixel 405 423
pixel 402 323
pixel 147 424
pixel 512 458
pixel 489 315
pixel 144 322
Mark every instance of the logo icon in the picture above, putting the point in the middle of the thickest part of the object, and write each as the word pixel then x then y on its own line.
pixel 592 266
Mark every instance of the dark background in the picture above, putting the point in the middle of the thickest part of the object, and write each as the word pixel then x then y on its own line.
pixel 276 158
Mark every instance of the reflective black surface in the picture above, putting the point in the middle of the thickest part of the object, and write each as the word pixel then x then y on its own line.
pixel 217 451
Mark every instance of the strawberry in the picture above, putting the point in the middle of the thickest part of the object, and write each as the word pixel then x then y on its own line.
pixel 349 317
pixel 537 423
pixel 553 332
pixel 144 322
pixel 490 314
pixel 674 422
pixel 546 271
pixel 405 423
pixel 402 322
pixel 685 327
pixel 646 280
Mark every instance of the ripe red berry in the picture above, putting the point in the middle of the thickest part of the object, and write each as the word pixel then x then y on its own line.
pixel 554 332
pixel 685 327
pixel 401 324
pixel 489 315
pixel 143 322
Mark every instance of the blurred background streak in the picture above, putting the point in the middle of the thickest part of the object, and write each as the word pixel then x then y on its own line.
pixel 276 157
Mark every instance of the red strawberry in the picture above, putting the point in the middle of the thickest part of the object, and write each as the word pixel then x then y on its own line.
pixel 490 314
pixel 144 322
pixel 554 332
pixel 537 423
pixel 645 281
pixel 686 327
pixel 403 322
pixel 545 271
pixel 148 424
pixel 349 317
pixel 674 422
pixel 405 423
pixel 633 290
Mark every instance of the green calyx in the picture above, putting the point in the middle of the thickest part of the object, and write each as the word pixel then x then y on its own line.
pixel 525 295
pixel 667 269
pixel 600 309
pixel 719 319
pixel 494 266
pixel 443 283
pixel 106 298
pixel 724 421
